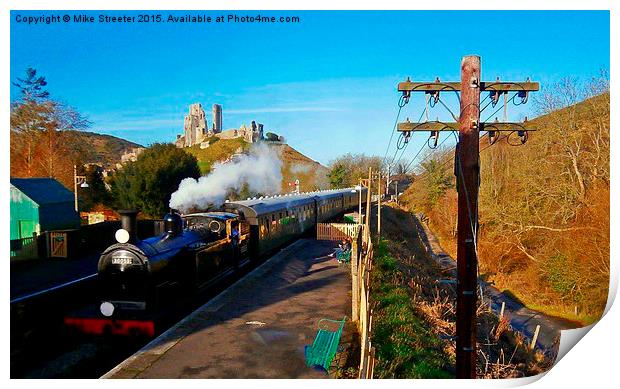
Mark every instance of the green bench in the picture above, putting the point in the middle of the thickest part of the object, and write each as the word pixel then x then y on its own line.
pixel 344 256
pixel 323 349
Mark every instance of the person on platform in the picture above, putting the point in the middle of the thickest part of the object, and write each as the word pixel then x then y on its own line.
pixel 343 248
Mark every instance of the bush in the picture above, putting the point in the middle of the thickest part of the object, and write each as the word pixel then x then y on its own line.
pixel 148 183
pixel 561 275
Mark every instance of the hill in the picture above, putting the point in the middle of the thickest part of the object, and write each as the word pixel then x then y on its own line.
pixel 311 174
pixel 543 209
pixel 98 148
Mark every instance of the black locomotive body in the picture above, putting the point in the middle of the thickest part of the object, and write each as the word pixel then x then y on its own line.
pixel 138 277
pixel 194 249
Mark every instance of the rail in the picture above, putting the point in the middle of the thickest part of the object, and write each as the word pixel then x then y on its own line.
pixel 361 267
pixel 52 289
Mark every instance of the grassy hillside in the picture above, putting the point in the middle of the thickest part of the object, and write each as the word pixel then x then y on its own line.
pixel 414 314
pixel 218 151
pixel 544 210
pixel 99 148
pixel 311 174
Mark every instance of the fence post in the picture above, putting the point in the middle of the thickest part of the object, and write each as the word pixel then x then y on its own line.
pixel 371 363
pixel 355 293
pixel 535 338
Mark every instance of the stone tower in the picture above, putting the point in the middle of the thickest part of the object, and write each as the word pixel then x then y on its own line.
pixel 217 118
pixel 195 125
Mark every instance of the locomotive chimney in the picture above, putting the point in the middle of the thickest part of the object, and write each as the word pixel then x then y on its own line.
pixel 129 223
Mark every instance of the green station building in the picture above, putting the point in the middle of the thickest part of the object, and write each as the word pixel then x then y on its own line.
pixel 40 204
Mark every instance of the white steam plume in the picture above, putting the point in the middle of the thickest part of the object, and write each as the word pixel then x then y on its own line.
pixel 299 168
pixel 260 170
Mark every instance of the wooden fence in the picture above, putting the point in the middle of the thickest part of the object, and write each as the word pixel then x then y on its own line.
pixel 336 231
pixel 361 266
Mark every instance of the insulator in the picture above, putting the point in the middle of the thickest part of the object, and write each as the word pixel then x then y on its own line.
pixel 523 95
pixel 406 96
pixel 494 95
pixel 435 137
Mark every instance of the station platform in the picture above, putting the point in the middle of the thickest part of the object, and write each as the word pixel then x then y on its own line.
pixel 258 327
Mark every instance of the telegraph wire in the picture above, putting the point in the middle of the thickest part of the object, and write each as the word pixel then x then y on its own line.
pixel 406 137
pixel 402 101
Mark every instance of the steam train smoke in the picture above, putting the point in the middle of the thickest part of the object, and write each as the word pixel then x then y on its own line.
pixel 299 168
pixel 260 170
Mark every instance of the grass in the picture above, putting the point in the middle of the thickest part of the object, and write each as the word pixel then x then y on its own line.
pixel 218 150
pixel 406 348
pixel 414 316
pixel 205 167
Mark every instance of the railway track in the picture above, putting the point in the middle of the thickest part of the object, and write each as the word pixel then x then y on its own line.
pixel 37 332
pixel 52 289
pixel 41 347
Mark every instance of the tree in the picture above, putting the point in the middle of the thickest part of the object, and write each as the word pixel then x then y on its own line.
pixel 96 195
pixel 148 183
pixel 272 137
pixel 337 176
pixel 401 168
pixel 37 125
pixel 346 170
pixel 437 181
pixel 57 156
pixel 28 121
pixel 32 87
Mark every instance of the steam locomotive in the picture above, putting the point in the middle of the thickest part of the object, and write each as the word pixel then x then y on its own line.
pixel 138 277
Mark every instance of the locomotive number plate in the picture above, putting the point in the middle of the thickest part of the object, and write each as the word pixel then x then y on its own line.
pixel 122 261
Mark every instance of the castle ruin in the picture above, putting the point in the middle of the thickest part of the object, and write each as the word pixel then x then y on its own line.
pixel 196 130
pixel 195 127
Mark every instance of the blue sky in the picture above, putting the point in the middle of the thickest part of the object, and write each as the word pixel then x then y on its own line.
pixel 328 83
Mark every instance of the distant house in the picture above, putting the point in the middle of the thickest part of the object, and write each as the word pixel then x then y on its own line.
pixel 40 204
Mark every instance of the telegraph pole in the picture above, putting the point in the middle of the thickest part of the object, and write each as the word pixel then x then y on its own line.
pixel 467 171
pixel 396 192
pixel 388 181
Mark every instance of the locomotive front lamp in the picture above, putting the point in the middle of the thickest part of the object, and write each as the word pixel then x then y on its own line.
pixel 122 236
pixel 106 308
